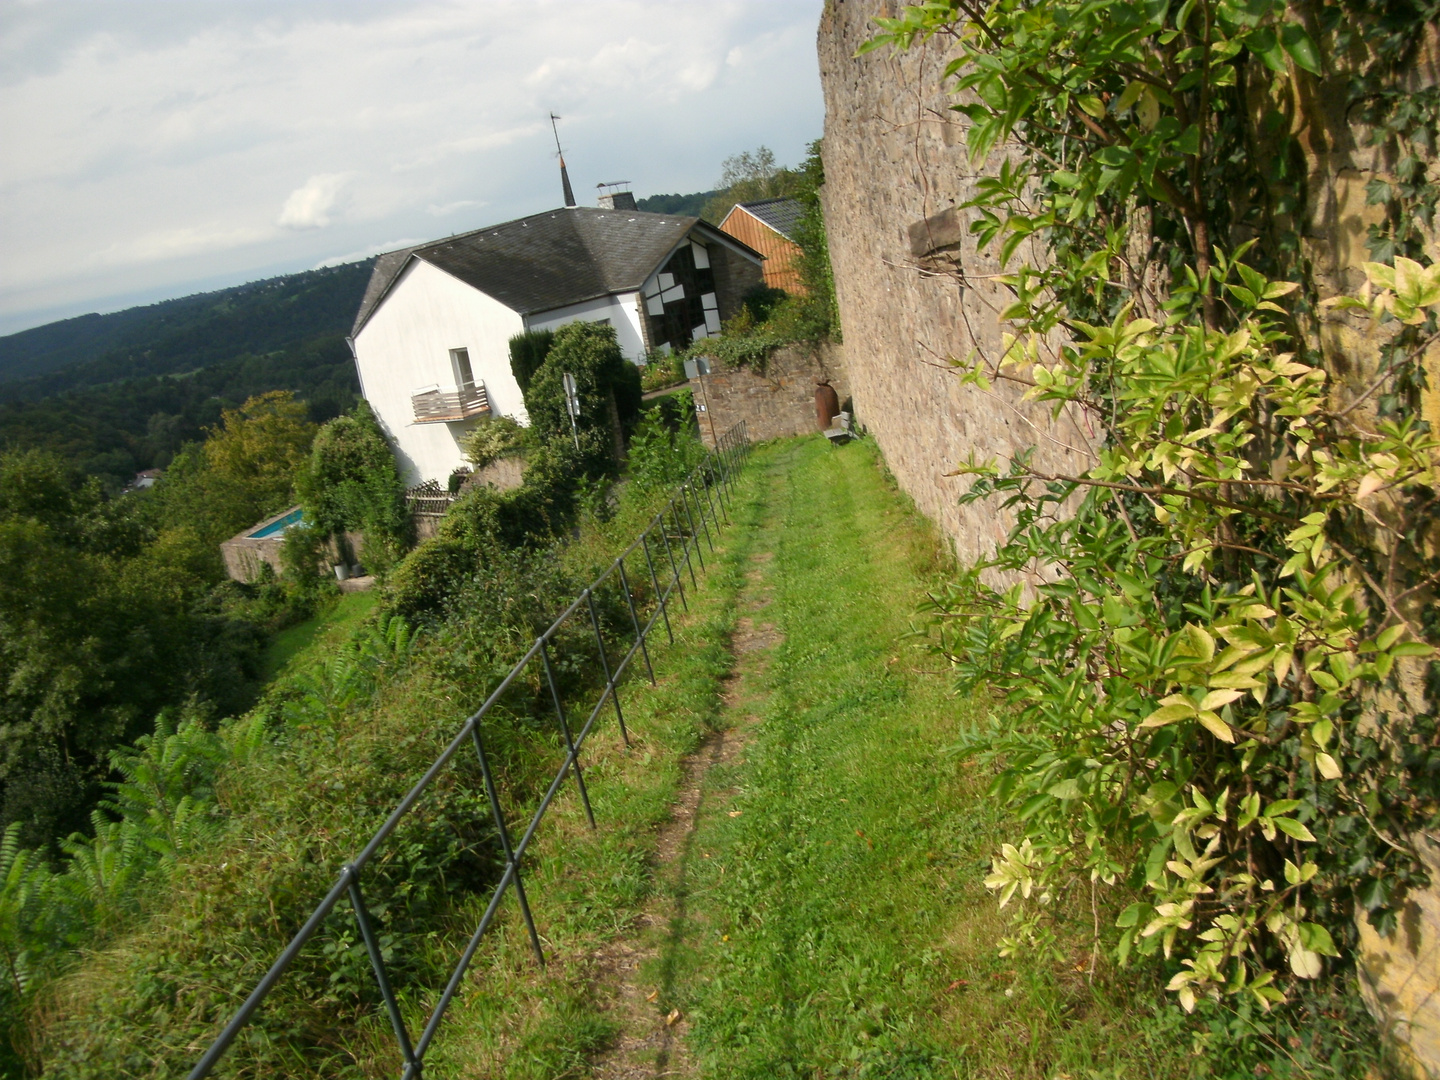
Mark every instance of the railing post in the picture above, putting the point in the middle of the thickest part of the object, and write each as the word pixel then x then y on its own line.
pixel 382 980
pixel 712 502
pixel 684 537
pixel 565 728
pixel 704 522
pixel 635 619
pixel 694 532
pixel 605 666
pixel 505 841
pixel 655 583
pixel 674 567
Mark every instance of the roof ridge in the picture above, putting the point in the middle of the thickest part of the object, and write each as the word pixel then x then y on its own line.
pixel 546 260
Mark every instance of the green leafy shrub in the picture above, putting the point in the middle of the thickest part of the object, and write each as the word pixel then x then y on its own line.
pixel 761 301
pixel 1222 600
pixel 743 343
pixel 527 353
pixel 485 522
pixel 659 457
pixel 492 439
pixel 160 811
pixel 99 631
pixel 662 370
pixel 351 483
pixel 607 384
pixel 304 551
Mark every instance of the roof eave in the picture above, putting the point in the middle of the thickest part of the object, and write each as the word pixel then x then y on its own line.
pixel 584 299
pixel 739 246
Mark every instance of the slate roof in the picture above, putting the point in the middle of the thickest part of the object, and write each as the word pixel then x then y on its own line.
pixel 547 260
pixel 780 214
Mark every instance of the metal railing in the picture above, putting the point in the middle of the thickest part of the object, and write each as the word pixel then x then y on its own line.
pixel 436 406
pixel 686 525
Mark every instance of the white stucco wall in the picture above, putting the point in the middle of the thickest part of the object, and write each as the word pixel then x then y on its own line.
pixel 622 310
pixel 405 347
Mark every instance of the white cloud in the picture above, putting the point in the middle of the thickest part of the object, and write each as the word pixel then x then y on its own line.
pixel 309 206
pixel 164 136
pixel 366 252
pixel 451 207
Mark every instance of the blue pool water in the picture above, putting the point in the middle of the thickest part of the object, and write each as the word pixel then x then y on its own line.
pixel 279 526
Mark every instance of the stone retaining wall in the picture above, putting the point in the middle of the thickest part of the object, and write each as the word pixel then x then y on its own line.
pixel 775 403
pixel 913 292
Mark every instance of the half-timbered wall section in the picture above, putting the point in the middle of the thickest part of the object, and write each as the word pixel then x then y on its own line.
pixel 681 304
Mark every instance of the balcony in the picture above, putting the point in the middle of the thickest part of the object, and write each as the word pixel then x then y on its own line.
pixel 434 406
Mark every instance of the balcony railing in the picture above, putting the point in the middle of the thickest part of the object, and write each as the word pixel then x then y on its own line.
pixel 434 406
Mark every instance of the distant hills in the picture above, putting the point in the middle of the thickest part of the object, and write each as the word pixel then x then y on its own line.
pixel 122 392
pixel 183 334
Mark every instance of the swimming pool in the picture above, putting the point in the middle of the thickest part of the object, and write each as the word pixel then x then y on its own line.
pixel 279 525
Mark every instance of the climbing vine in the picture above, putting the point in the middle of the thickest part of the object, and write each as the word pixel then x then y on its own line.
pixel 1217 638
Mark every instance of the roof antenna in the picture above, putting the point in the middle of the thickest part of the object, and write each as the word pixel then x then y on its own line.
pixel 564 176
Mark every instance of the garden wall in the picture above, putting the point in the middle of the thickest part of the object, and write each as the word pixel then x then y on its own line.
pixel 775 403
pixel 912 290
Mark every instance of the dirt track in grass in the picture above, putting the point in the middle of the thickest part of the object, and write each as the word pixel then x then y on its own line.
pixel 652 1030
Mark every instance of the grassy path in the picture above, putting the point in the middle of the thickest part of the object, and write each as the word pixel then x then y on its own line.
pixel 824 914
pixel 786 880
pixel 825 877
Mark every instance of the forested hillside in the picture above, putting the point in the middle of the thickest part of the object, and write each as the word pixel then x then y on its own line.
pixel 117 393
pixel 689 205
pixel 182 334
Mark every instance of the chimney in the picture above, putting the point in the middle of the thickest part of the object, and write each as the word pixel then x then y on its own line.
pixel 616 195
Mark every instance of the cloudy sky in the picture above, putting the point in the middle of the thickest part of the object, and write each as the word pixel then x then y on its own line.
pixel 155 149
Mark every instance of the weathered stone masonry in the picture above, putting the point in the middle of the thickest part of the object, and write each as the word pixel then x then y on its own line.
pixel 775 403
pixel 895 157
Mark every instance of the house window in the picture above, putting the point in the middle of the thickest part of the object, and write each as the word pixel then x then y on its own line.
pixel 460 361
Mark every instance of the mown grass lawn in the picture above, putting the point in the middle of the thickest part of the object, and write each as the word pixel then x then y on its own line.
pixel 838 924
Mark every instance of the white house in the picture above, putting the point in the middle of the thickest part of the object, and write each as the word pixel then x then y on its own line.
pixel 431 340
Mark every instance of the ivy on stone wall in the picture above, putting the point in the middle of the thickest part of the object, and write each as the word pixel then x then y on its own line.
pixel 1215 653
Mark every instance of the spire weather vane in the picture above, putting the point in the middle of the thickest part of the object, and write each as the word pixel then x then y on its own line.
pixel 564 175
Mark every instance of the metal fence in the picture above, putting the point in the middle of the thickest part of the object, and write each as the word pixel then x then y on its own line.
pixel 669 549
pixel 429 498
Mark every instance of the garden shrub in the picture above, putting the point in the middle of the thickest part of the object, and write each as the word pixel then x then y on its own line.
pixel 492 439
pixel 608 387
pixel 659 458
pixel 527 353
pixel 1222 599
pixel 485 522
pixel 351 484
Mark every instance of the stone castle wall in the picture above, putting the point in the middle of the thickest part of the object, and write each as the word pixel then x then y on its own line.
pixel 914 292
pixel 896 170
